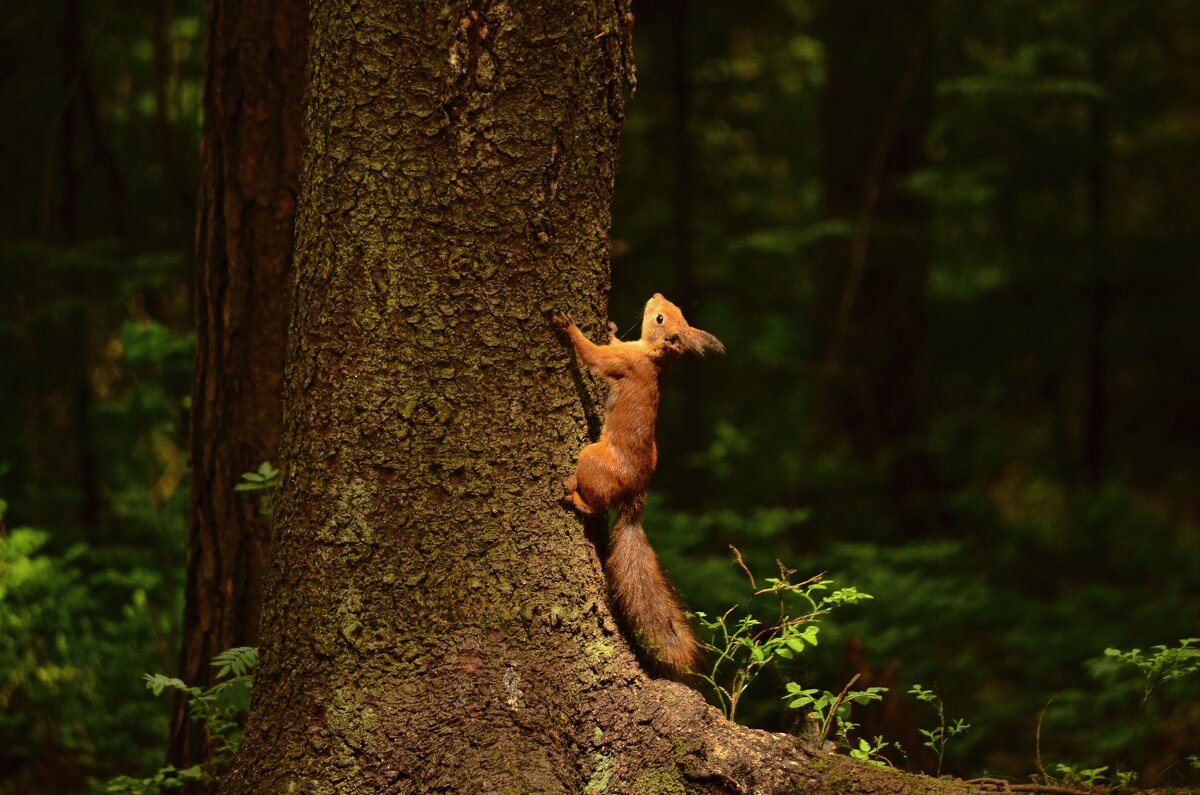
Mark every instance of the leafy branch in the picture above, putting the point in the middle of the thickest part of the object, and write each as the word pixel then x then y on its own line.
pixel 936 739
pixel 743 645
pixel 220 708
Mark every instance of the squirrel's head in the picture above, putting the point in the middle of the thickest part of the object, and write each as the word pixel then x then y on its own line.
pixel 665 330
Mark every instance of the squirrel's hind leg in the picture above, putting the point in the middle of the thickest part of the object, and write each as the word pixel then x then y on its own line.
pixel 573 497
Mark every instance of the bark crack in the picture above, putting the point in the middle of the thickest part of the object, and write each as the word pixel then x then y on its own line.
pixel 471 57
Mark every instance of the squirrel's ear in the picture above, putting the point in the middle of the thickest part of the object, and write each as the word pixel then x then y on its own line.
pixel 699 341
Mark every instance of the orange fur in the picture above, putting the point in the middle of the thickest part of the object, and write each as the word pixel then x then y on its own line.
pixel 615 471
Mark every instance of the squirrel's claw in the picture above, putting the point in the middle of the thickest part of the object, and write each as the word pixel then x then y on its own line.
pixel 561 321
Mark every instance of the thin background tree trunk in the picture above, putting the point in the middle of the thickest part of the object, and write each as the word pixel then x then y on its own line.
pixel 250 164
pixel 1100 294
pixel 871 289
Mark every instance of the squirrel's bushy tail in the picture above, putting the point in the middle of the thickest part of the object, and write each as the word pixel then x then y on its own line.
pixel 647 599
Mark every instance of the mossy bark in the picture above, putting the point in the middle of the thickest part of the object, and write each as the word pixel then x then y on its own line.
pixel 435 619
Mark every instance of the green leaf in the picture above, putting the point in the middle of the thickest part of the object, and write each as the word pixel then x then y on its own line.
pixel 156 683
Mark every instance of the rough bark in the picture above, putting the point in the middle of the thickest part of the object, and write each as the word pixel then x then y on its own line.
pixel 435 619
pixel 250 164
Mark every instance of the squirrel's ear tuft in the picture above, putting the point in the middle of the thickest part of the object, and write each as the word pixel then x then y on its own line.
pixel 699 341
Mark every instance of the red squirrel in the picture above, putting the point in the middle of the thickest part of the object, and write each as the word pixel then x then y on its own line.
pixel 615 471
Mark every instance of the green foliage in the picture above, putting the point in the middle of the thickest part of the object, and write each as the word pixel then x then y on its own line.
pixel 832 714
pixel 165 779
pixel 221 709
pixel 64 653
pixel 743 644
pixel 871 751
pixel 937 737
pixel 1163 664
pixel 1071 776
pixel 266 480
pixel 1146 701
pixel 98 467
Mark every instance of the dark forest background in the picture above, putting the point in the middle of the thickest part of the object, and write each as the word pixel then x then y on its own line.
pixel 951 249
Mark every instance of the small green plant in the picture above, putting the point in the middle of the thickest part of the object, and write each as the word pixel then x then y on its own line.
pixel 1094 777
pixel 266 480
pixel 1089 777
pixel 831 714
pixel 744 645
pixel 936 738
pixel 1124 778
pixel 221 709
pixel 871 752
pixel 1162 665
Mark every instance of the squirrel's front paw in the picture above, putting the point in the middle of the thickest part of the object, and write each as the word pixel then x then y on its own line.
pixel 561 321
pixel 613 329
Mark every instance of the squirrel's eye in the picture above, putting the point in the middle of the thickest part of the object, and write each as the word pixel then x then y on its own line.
pixel 658 319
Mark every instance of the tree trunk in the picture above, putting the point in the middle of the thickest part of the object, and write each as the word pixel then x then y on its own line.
pixel 74 79
pixel 1099 288
pixel 871 289
pixel 164 134
pixel 435 619
pixel 250 163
